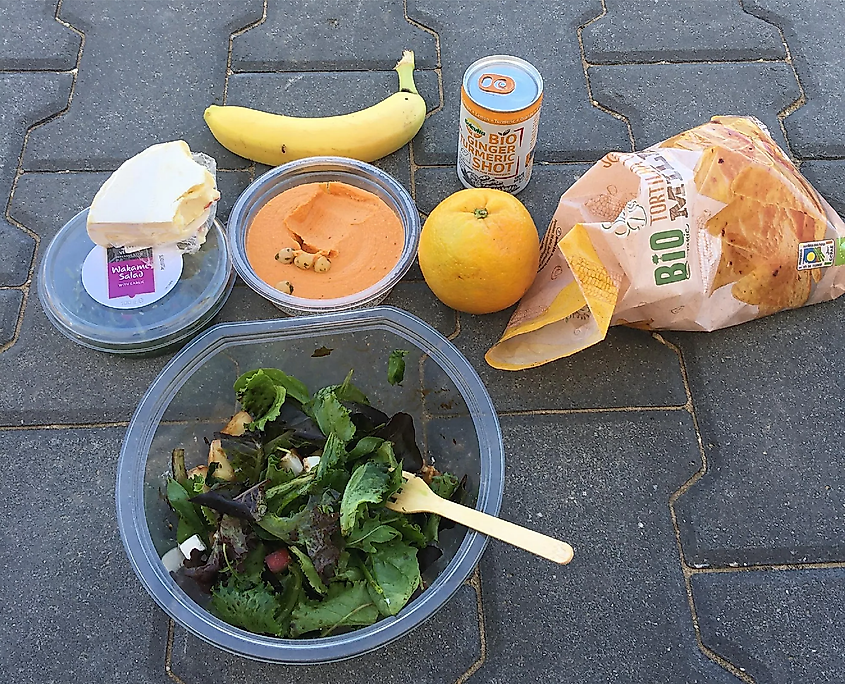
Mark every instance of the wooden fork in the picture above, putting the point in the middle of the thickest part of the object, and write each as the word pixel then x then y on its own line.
pixel 416 497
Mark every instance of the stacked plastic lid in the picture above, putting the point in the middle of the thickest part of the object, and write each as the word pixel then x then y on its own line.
pixel 200 292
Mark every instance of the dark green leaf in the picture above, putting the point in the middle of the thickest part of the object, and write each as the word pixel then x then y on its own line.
pixel 366 445
pixel 286 529
pixel 350 606
pixel 348 392
pixel 321 351
pixel 348 568
pixel 371 531
pixel 411 533
pixel 396 366
pixel 285 487
pixel 331 415
pixel 257 609
pixel 333 456
pixel 293 387
pixel 395 574
pixel 189 515
pixel 369 484
pixel 309 570
pixel 261 398
pixel 384 455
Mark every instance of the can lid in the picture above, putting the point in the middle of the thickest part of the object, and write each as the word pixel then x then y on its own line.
pixel 502 83
pixel 202 288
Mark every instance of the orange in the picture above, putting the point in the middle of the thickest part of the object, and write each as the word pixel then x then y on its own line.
pixel 479 250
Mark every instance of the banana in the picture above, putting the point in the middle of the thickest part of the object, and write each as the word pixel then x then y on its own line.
pixel 366 135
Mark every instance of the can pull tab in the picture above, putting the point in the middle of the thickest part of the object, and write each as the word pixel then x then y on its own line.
pixel 497 84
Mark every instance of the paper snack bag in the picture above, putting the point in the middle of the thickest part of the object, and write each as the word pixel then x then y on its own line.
pixel 708 229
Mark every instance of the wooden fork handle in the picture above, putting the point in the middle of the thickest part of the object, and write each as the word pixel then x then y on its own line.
pixel 547 547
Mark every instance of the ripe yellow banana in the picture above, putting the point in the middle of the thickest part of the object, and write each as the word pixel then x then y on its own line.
pixel 367 135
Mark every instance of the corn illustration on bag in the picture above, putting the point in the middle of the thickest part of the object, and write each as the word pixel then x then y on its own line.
pixel 708 229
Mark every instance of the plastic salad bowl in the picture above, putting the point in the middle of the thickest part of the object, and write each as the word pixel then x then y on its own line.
pixel 321 170
pixel 456 427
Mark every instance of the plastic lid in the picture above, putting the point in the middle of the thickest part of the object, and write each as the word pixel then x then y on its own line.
pixel 205 284
pixel 502 83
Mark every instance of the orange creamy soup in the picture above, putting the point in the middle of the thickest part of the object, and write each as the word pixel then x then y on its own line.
pixel 358 232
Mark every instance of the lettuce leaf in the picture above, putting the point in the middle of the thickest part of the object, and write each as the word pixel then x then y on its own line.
pixel 369 532
pixel 257 609
pixel 292 386
pixel 190 520
pixel 394 576
pixel 369 483
pixel 396 366
pixel 331 415
pixel 348 605
pixel 309 570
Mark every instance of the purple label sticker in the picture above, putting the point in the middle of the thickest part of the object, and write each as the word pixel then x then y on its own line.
pixel 130 273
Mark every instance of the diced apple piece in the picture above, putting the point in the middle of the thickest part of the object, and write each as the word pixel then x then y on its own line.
pixel 224 470
pixel 310 462
pixel 291 462
pixel 237 426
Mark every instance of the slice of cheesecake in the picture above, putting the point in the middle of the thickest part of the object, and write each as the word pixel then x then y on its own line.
pixel 158 197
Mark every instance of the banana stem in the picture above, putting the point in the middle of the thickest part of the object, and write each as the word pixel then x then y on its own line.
pixel 405 68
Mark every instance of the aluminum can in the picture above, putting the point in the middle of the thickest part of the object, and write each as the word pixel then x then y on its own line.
pixel 500 111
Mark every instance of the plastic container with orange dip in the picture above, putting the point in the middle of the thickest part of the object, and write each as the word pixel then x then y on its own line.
pixel 358 219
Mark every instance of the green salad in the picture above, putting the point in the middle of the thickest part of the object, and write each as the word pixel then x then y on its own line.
pixel 286 529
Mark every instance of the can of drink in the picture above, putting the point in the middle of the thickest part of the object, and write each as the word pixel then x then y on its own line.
pixel 500 111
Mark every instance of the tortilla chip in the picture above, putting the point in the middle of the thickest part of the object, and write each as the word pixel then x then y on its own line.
pixel 734 263
pixel 716 171
pixel 773 288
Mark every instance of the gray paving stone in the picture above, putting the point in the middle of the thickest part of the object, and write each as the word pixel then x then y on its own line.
pixel 571 129
pixel 326 94
pixel 438 651
pixel 415 297
pixel 301 35
pixel 661 100
pixel 813 32
pixel 147 73
pixel 618 612
pixel 69 595
pixel 230 184
pixel 679 31
pixel 33 39
pixel 828 177
pixel 27 98
pixel 768 397
pixel 781 627
pixel 10 308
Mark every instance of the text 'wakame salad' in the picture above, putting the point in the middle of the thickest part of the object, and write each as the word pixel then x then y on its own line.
pixel 285 527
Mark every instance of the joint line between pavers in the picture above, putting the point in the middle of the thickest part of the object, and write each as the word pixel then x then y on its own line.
pixel 714 62
pixel 584 66
pixel 232 37
pixel 168 653
pixel 439 68
pixel 771 567
pixel 575 411
pixel 685 568
pixel 65 426
pixel 801 100
pixel 457 330
pixel 475 583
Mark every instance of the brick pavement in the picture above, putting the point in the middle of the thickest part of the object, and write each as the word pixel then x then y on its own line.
pixel 699 477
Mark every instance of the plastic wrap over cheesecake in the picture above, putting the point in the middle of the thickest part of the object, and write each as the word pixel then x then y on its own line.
pixel 708 229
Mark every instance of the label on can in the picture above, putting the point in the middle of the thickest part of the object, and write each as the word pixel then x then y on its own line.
pixel 500 113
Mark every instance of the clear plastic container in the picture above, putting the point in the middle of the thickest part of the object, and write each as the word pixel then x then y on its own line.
pixel 322 170
pixel 193 396
pixel 202 289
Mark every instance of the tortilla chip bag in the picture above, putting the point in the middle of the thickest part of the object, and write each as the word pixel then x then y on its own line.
pixel 708 229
